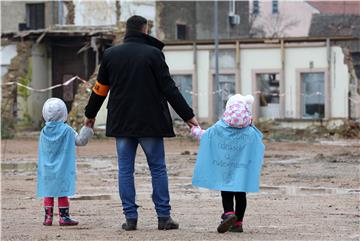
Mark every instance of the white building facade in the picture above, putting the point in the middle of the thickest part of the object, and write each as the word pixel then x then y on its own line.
pixel 289 80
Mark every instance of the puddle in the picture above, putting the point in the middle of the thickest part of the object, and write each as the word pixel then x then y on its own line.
pixel 83 166
pixel 299 191
pixel 30 166
pixel 27 166
pixel 288 161
pixel 94 197
pixel 340 142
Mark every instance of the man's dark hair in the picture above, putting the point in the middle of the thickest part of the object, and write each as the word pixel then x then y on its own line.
pixel 135 23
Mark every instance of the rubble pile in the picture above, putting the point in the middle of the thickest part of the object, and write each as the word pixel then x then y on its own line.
pixel 76 115
pixel 272 130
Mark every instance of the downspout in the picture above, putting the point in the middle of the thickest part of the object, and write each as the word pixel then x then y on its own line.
pixel 328 80
pixel 216 50
pixel 282 80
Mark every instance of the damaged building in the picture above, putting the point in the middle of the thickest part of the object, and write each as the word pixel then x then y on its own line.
pixel 45 43
pixel 296 74
pixel 52 50
pixel 303 79
pixel 327 25
pixel 298 79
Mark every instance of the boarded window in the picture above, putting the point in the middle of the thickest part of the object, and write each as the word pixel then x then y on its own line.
pixel 180 31
pixel 312 95
pixel 269 98
pixel 35 16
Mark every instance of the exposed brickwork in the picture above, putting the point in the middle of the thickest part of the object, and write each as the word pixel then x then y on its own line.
pixel 76 115
pixel 70 17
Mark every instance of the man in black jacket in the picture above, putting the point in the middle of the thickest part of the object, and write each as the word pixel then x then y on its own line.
pixel 140 85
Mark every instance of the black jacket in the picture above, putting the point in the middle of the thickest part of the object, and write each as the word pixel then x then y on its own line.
pixel 140 86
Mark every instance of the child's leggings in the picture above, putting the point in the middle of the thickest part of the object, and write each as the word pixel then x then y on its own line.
pixel 228 203
pixel 62 202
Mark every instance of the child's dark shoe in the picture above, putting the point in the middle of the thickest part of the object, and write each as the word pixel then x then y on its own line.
pixel 49 213
pixel 237 227
pixel 130 224
pixel 65 219
pixel 228 219
pixel 167 223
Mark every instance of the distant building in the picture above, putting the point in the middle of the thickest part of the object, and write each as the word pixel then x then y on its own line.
pixel 194 20
pixel 45 43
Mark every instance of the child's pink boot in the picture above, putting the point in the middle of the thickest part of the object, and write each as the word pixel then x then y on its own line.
pixel 49 213
pixel 65 219
pixel 228 219
pixel 237 227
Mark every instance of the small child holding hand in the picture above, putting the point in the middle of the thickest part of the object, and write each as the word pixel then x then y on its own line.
pixel 57 160
pixel 230 158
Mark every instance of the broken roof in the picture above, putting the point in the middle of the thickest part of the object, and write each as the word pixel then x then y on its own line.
pixel 66 30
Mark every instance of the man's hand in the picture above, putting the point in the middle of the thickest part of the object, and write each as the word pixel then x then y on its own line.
pixel 89 122
pixel 192 122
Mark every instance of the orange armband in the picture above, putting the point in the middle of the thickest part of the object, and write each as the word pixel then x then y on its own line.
pixel 100 89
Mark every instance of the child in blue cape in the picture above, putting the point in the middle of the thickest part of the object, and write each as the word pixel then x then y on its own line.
pixel 57 160
pixel 229 159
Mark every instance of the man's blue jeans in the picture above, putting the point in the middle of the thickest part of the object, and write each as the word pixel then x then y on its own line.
pixel 154 151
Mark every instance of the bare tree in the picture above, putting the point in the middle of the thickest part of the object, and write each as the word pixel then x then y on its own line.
pixel 255 31
pixel 272 25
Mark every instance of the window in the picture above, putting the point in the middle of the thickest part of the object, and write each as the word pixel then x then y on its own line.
pixel 269 96
pixel 223 90
pixel 256 7
pixel 275 6
pixel 312 95
pixel 184 84
pixel 180 31
pixel 35 16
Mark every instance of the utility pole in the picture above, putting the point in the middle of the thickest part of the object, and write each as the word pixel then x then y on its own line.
pixel 216 37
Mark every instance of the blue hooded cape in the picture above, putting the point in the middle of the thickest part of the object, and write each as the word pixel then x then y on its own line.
pixel 229 159
pixel 57 161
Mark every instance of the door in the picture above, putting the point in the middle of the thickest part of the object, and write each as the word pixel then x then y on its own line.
pixel 66 63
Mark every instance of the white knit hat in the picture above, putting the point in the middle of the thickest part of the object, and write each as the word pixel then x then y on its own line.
pixel 54 109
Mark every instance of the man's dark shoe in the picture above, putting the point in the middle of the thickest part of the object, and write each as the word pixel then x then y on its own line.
pixel 167 223
pixel 130 224
pixel 228 220
pixel 237 227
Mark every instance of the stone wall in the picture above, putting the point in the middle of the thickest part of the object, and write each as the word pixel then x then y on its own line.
pixel 18 69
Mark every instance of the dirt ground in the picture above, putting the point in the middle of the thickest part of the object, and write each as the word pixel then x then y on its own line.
pixel 309 191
